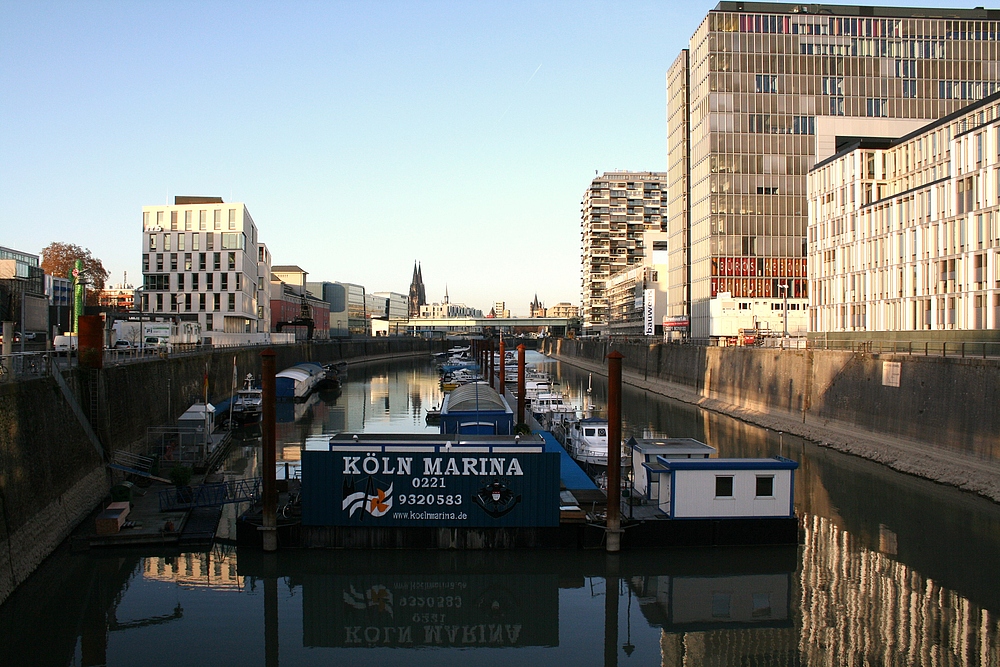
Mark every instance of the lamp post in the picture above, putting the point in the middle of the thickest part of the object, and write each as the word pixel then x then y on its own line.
pixel 783 286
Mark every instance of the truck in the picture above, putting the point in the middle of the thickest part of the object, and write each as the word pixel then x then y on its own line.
pixel 159 336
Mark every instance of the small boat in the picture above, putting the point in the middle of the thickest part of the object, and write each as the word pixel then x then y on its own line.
pixel 433 416
pixel 248 401
pixel 587 441
pixel 546 406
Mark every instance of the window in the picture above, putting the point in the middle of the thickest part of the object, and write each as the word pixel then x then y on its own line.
pixel 152 241
pixel 721 603
pixel 836 106
pixel 231 263
pixel 159 302
pixel 765 486
pixel 166 241
pixel 173 302
pixel 187 221
pixel 723 486
pixel 194 282
pixel 180 282
pixel 159 262
pixel 209 241
pixel 766 83
pixel 173 221
pixel 216 261
pixel 232 302
pixel 239 282
pixel 761 605
pixel 159 219
pixel 201 261
pixel 187 302
pixel 145 263
pixel 224 282
pixel 209 280
pixel 232 241
pixel 187 261
pixel 216 301
pixel 201 301
pixel 833 85
pixel 145 219
pixel 909 89
pixel 173 261
pixel 195 241
pixel 217 219
pixel 232 218
pixel 201 219
pixel 877 108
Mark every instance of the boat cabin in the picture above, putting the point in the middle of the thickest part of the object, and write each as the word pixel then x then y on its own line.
pixel 476 409
pixel 709 488
pixel 645 451
pixel 194 417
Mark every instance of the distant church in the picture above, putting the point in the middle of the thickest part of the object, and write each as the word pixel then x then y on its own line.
pixel 418 297
pixel 536 308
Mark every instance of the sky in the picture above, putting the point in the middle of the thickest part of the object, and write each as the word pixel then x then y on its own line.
pixel 362 136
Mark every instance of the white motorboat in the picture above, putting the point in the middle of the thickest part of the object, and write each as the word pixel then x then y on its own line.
pixel 587 441
pixel 248 402
pixel 550 407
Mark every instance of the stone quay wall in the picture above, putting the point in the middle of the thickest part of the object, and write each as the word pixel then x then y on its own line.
pixel 940 422
pixel 51 474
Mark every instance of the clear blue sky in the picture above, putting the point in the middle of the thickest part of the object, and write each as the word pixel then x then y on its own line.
pixel 361 135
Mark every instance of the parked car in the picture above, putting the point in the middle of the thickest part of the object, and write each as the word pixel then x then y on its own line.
pixel 122 345
pixel 64 345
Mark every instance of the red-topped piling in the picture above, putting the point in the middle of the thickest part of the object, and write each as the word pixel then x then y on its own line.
pixel 503 367
pixel 520 385
pixel 269 464
pixel 614 450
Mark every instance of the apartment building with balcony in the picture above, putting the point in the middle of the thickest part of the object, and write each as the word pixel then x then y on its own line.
pixel 201 261
pixel 617 209
pixel 764 92
pixel 904 234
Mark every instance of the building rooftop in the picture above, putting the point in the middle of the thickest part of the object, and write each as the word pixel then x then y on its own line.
pixel 867 11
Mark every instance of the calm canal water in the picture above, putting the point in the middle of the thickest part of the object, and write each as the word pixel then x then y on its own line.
pixel 892 571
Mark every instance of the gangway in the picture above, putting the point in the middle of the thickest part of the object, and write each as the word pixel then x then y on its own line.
pixel 134 464
pixel 210 495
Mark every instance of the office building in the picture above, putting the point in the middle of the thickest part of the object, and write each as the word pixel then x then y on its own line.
pixel 293 308
pixel 904 235
pixel 563 309
pixel 22 291
pixel 637 295
pixel 764 92
pixel 335 296
pixel 200 262
pixel 617 209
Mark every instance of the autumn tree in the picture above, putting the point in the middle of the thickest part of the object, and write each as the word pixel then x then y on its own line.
pixel 59 259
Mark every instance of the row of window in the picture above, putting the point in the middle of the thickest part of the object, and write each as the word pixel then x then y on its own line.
pixel 780 124
pixel 764 487
pixel 186 302
pixel 188 261
pixel 188 223
pixel 230 241
pixel 160 282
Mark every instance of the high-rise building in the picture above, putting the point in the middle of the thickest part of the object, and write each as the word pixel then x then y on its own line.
pixel 764 92
pixel 617 209
pixel 201 262
pixel 904 235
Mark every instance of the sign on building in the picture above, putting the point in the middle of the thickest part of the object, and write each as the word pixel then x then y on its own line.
pixel 649 307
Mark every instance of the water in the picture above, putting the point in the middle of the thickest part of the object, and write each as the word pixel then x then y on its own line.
pixel 893 571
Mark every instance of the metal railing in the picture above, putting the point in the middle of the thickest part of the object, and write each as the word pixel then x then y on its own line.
pixel 25 366
pixel 210 495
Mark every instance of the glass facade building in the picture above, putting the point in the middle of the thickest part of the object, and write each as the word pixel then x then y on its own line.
pixel 768 89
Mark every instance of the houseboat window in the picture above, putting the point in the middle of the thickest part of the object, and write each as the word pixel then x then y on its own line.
pixel 603 432
pixel 588 431
pixel 723 486
pixel 765 486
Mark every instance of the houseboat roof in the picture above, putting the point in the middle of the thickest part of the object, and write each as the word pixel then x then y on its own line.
pixel 673 446
pixel 435 442
pixel 474 397
pixel 775 463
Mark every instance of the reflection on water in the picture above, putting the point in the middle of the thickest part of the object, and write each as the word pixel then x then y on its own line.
pixel 892 570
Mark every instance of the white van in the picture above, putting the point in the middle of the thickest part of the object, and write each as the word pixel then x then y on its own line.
pixel 65 345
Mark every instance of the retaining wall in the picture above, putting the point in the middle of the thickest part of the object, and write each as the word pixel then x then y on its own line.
pixel 950 403
pixel 51 475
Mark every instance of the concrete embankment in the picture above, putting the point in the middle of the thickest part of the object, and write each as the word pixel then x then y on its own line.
pixel 52 471
pixel 941 422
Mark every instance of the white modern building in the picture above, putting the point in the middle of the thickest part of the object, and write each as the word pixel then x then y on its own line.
pixel 201 262
pixel 617 209
pixel 904 234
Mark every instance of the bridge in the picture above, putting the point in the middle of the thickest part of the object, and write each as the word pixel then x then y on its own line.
pixel 556 325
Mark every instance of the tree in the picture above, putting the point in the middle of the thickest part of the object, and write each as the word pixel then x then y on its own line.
pixel 59 259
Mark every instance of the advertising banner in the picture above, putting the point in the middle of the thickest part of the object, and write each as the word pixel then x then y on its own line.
pixel 649 303
pixel 430 489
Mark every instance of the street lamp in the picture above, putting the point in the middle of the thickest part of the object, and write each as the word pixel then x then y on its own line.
pixel 783 286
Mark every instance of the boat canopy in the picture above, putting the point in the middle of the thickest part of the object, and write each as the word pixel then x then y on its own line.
pixel 474 397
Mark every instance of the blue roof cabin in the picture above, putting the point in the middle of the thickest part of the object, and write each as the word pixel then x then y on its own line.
pixel 476 409
pixel 725 488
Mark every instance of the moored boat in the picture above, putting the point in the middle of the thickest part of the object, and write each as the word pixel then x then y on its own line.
pixel 247 404
pixel 587 441
pixel 297 382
